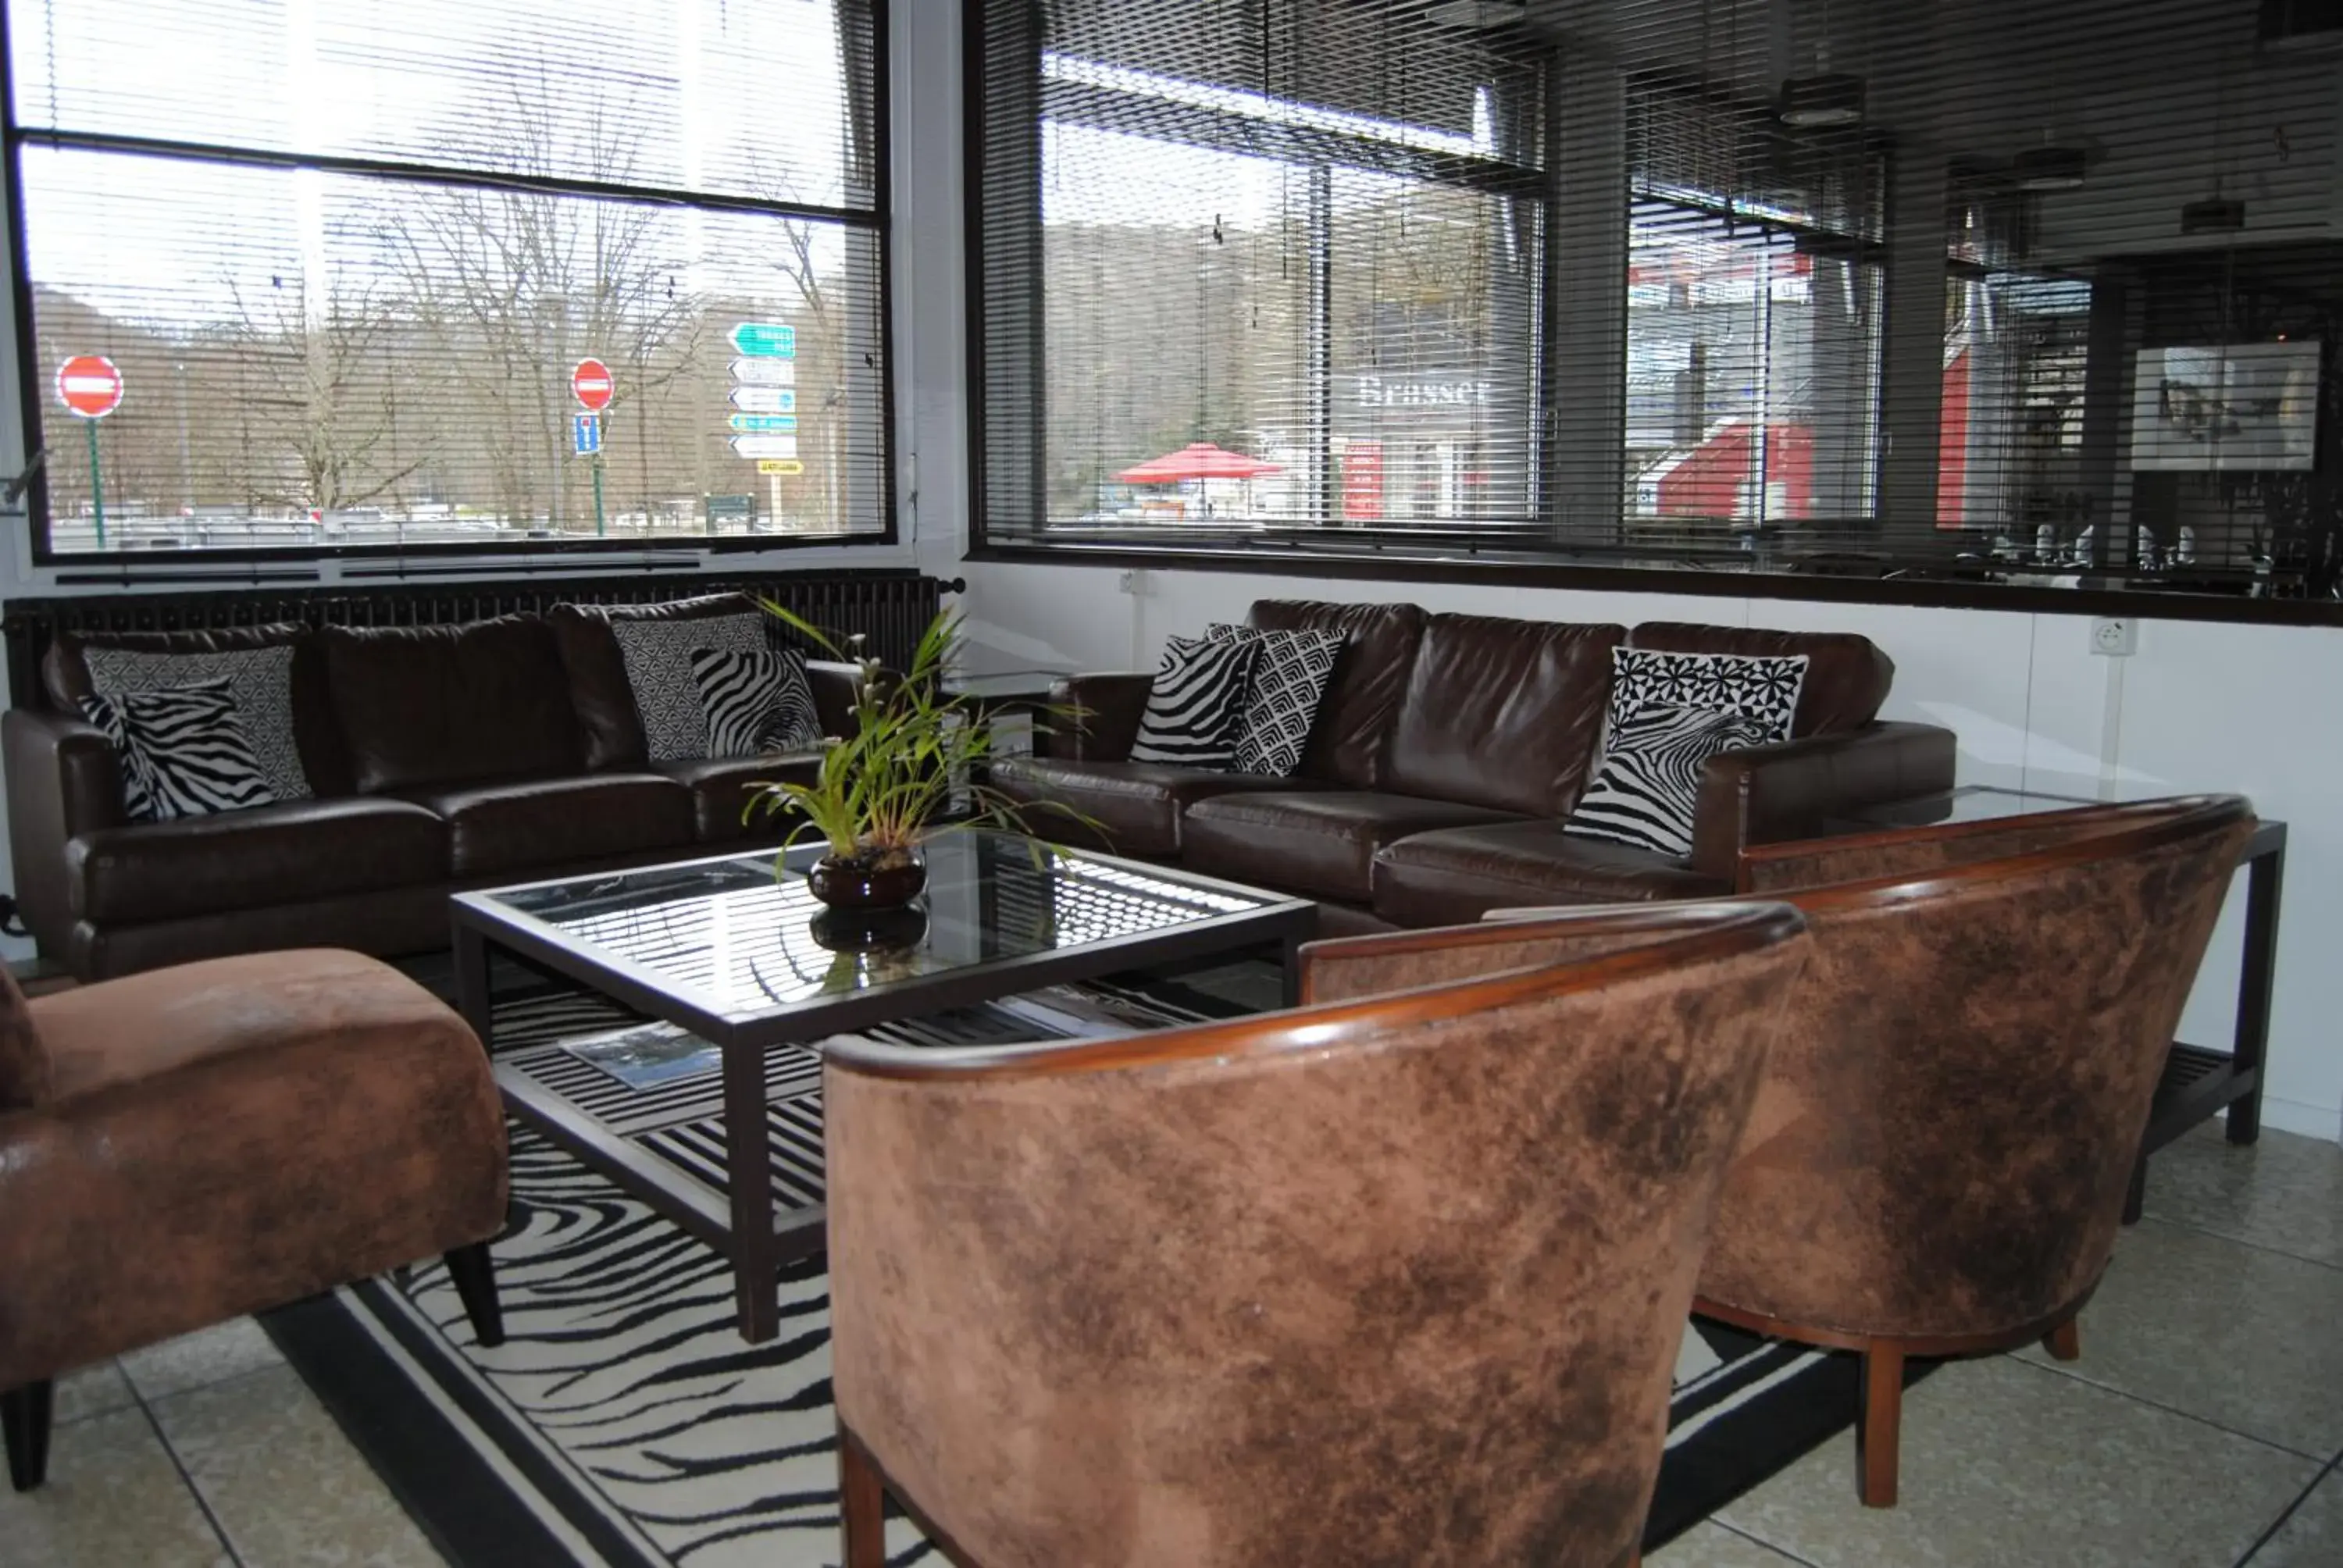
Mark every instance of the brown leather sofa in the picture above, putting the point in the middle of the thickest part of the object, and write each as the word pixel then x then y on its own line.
pixel 442 757
pixel 1447 751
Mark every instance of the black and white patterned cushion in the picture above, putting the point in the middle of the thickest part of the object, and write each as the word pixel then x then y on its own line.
pixel 658 658
pixel 1763 688
pixel 137 800
pixel 189 745
pixel 1290 674
pixel 1650 782
pixel 754 701
pixel 260 680
pixel 1195 703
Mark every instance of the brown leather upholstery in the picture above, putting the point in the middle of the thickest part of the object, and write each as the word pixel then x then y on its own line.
pixel 1320 842
pixel 231 1136
pixel 25 1076
pixel 426 706
pixel 1799 788
pixel 1459 874
pixel 1137 806
pixel 1847 677
pixel 611 729
pixel 510 825
pixel 1103 714
pixel 721 788
pixel 1397 1279
pixel 1502 713
pixel 64 675
pixel 278 854
pixel 64 780
pixel 1351 738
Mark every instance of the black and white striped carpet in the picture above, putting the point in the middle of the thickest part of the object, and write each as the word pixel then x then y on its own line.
pixel 623 1422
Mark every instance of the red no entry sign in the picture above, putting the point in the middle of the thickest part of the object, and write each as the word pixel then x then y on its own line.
pixel 90 385
pixel 591 383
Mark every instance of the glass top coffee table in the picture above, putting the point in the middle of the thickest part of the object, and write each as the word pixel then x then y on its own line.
pixel 752 964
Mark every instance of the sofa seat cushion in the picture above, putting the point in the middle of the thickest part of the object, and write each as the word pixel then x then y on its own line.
pixel 1318 842
pixel 719 788
pixel 285 853
pixel 1137 805
pixel 529 824
pixel 1459 874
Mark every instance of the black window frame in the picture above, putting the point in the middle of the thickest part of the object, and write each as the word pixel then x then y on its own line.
pixel 1391 555
pixel 877 221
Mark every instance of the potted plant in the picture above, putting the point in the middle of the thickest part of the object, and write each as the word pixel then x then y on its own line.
pixel 884 789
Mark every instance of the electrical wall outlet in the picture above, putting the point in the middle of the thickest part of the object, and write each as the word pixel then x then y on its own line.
pixel 1133 582
pixel 2117 636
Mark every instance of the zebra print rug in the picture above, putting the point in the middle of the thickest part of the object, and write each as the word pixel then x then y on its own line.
pixel 624 1422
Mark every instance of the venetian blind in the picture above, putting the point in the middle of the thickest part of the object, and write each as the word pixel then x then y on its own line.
pixel 347 256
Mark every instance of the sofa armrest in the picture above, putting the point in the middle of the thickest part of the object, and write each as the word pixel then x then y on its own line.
pixel 833 683
pixel 64 780
pixel 1770 793
pixel 1097 720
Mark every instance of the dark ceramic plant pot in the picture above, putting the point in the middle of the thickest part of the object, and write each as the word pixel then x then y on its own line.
pixel 864 885
pixel 869 931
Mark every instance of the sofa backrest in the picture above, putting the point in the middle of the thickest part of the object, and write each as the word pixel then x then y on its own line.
pixel 422 706
pixel 65 679
pixel 1350 740
pixel 1502 713
pixel 1847 677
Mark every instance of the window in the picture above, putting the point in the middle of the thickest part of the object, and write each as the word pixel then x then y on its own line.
pixel 364 269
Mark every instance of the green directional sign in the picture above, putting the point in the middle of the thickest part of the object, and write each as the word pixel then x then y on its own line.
pixel 751 424
pixel 765 340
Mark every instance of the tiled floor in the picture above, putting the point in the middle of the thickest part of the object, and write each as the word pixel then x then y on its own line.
pixel 2204 1425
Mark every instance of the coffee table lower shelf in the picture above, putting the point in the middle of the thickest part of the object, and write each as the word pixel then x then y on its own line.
pixel 665 1144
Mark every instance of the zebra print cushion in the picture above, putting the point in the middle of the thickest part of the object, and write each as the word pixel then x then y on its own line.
pixel 261 679
pixel 192 750
pixel 754 701
pixel 138 799
pixel 1757 687
pixel 1650 780
pixel 1193 706
pixel 658 658
pixel 1289 678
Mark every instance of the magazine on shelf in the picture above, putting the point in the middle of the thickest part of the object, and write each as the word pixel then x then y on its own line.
pixel 646 1055
pixel 1069 1012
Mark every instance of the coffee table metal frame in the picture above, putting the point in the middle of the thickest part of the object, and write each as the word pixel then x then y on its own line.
pixel 742 1222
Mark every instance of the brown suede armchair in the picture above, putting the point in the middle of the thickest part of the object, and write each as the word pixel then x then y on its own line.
pixel 1938 1159
pixel 188 1145
pixel 1395 1279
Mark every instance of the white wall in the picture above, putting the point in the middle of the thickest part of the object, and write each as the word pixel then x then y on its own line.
pixel 2201 706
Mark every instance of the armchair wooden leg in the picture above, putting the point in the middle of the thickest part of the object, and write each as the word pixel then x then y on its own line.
pixel 861 1505
pixel 1879 1437
pixel 475 1274
pixel 2065 1342
pixel 25 1426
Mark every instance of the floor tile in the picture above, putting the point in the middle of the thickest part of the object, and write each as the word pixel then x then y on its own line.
pixel 2284 1192
pixel 2007 1466
pixel 284 1483
pixel 91 1390
pixel 206 1356
pixel 2218 1329
pixel 112 1498
pixel 1707 1545
pixel 2312 1535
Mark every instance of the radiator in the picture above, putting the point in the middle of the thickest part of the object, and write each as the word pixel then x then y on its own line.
pixel 890 608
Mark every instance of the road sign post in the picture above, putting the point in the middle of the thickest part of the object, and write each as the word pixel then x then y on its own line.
pixel 597 497
pixel 91 388
pixel 591 384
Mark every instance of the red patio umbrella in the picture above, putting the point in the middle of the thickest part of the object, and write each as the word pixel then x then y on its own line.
pixel 1196 460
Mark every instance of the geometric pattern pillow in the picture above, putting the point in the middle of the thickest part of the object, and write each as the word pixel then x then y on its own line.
pixel 260 678
pixel 754 702
pixel 192 749
pixel 1290 674
pixel 1761 688
pixel 658 658
pixel 137 800
pixel 1195 703
pixel 1650 782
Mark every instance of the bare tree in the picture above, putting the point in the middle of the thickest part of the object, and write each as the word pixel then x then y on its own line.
pixel 324 410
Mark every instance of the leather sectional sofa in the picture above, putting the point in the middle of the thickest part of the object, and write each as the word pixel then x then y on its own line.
pixel 1445 753
pixel 441 756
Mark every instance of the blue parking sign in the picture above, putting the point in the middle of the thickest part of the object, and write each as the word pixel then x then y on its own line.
pixel 586 432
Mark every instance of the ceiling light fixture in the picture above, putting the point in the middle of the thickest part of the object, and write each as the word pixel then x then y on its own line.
pixel 1482 14
pixel 2048 167
pixel 1820 102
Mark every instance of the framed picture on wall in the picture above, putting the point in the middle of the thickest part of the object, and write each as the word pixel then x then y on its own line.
pixel 2237 406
